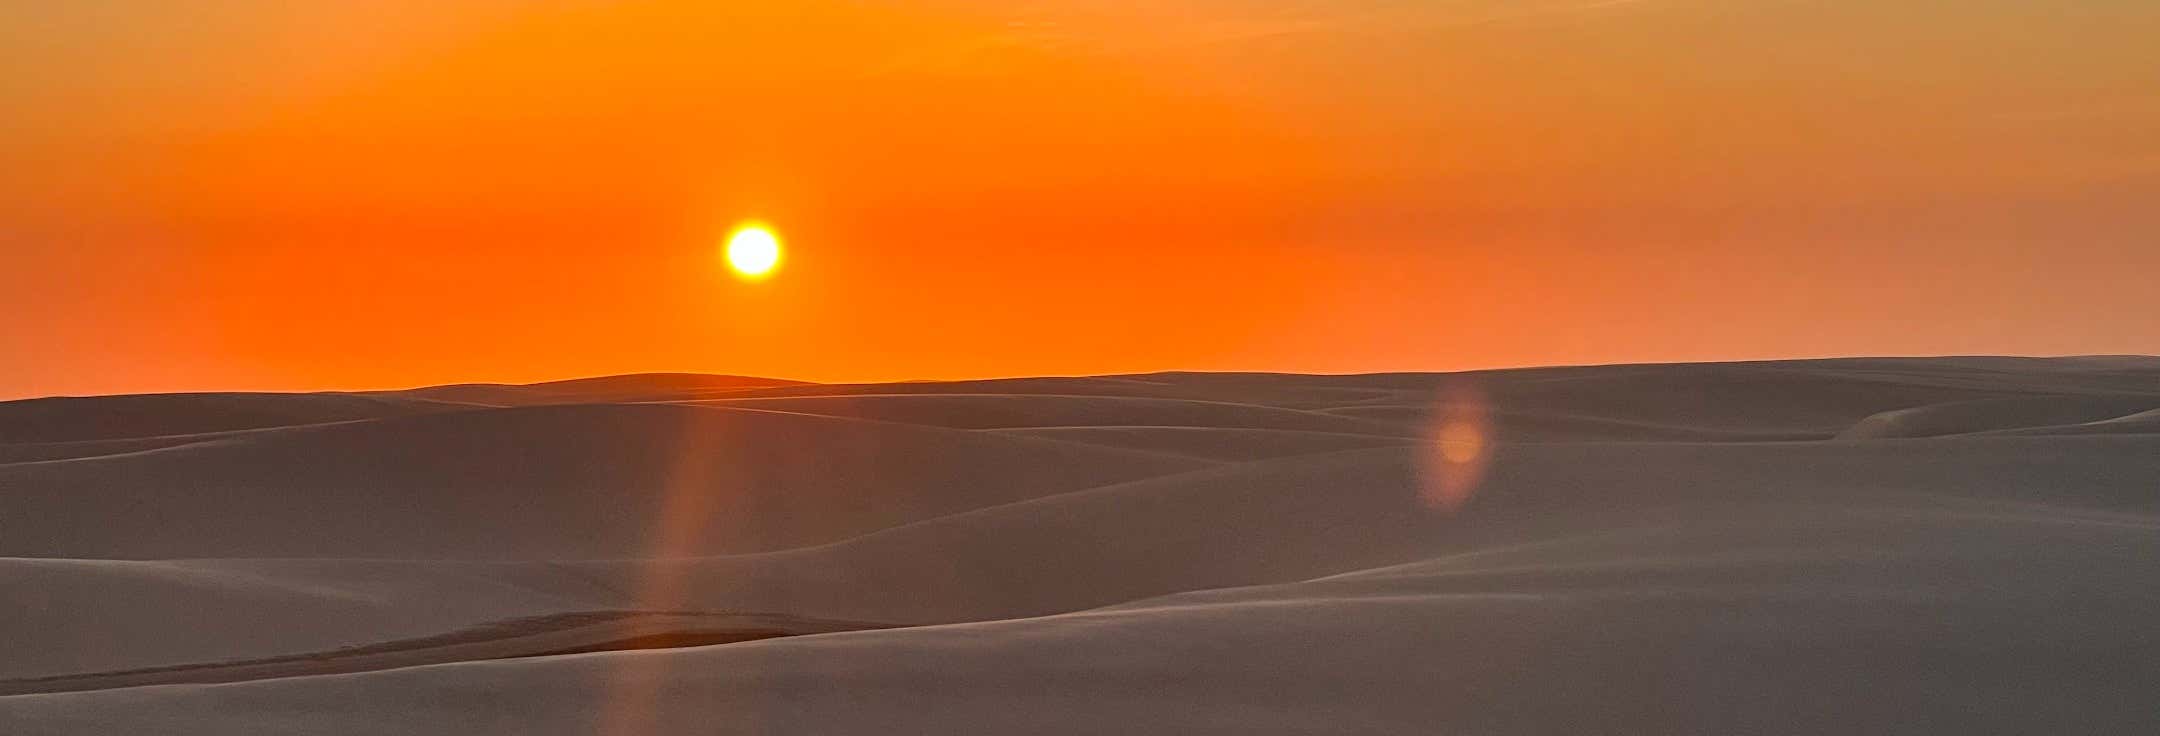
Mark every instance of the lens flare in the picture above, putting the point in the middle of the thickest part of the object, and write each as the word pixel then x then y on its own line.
pixel 1461 448
pixel 689 494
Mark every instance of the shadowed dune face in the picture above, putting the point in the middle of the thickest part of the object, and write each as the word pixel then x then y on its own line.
pixel 1953 545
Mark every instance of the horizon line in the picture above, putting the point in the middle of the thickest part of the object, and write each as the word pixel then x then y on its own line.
pixel 4 398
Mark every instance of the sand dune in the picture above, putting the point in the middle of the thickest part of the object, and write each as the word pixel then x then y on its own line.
pixel 2144 422
pixel 38 452
pixel 1857 546
pixel 1288 391
pixel 542 482
pixel 70 617
pixel 1215 443
pixel 1987 415
pixel 1015 411
pixel 75 419
pixel 1637 633
pixel 633 388
pixel 538 636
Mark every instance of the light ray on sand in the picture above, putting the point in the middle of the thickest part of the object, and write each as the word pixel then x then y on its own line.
pixel 688 498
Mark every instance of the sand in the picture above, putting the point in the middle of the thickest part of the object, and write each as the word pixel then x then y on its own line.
pixel 1949 545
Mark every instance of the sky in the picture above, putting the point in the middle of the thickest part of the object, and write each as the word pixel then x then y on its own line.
pixel 348 194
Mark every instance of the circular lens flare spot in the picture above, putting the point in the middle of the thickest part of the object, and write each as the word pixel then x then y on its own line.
pixel 754 252
pixel 1462 447
pixel 1461 443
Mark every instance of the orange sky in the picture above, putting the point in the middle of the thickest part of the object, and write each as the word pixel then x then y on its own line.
pixel 248 194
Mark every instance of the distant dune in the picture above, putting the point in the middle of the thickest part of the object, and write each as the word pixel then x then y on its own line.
pixel 640 387
pixel 1947 545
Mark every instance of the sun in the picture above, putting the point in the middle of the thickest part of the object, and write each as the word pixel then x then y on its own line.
pixel 753 252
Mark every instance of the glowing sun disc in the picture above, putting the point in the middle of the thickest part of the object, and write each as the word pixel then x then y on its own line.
pixel 753 252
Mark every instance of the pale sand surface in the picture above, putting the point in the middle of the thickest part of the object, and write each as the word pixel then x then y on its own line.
pixel 1952 545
